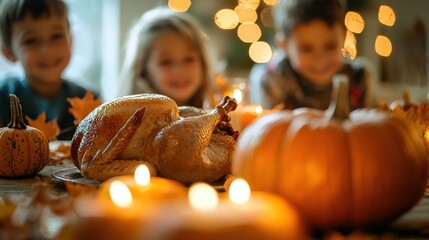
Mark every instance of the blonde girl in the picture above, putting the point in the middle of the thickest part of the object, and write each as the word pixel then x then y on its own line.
pixel 166 54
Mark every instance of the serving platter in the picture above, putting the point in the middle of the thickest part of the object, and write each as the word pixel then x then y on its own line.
pixel 77 184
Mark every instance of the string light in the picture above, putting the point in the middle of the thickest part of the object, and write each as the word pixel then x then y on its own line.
pixel 386 15
pixel 179 5
pixel 260 52
pixel 226 19
pixel 249 32
pixel 354 22
pixel 383 46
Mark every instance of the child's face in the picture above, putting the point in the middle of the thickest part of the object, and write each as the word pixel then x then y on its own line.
pixel 314 50
pixel 42 46
pixel 174 67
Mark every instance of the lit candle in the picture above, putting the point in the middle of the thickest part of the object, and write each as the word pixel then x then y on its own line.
pixel 250 113
pixel 117 216
pixel 144 187
pixel 122 206
pixel 244 215
pixel 203 197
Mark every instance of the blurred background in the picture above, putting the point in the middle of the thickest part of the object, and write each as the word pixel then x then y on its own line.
pixel 99 29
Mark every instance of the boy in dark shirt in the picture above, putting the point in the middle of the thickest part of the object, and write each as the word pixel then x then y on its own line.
pixel 37 34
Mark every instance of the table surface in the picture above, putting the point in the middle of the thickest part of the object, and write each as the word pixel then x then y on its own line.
pixel 414 224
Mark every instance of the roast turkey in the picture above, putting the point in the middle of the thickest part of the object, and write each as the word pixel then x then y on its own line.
pixel 182 143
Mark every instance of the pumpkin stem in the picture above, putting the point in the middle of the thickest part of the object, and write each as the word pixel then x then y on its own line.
pixel 339 108
pixel 16 119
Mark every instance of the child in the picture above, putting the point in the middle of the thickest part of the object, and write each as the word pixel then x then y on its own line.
pixel 310 37
pixel 166 54
pixel 37 34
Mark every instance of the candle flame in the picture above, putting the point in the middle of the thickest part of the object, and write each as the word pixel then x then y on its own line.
pixel 120 194
pixel 258 110
pixel 239 191
pixel 203 197
pixel 349 50
pixel 142 175
pixel 238 95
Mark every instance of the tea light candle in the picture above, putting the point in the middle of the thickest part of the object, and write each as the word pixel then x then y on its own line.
pixel 250 113
pixel 244 215
pixel 244 115
pixel 123 205
pixel 144 187
pixel 114 216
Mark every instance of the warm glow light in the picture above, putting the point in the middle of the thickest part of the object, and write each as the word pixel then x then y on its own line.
pixel 179 5
pixel 252 4
pixel 258 109
pixel 249 32
pixel 266 17
pixel 226 19
pixel 270 2
pixel 260 52
pixel 239 191
pixel 203 197
pixel 386 15
pixel 354 22
pixel 142 175
pixel 120 194
pixel 246 14
pixel 238 95
pixel 349 50
pixel 383 46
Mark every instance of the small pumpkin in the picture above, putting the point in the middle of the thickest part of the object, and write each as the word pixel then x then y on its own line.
pixel 341 170
pixel 24 150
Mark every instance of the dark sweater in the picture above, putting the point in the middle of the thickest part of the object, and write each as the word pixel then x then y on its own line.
pixel 33 105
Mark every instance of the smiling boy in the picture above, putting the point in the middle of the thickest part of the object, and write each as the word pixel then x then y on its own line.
pixel 36 33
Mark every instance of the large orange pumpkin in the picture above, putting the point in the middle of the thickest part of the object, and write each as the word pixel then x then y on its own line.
pixel 340 170
pixel 24 150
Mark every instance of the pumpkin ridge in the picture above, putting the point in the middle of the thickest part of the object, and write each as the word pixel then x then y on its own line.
pixel 12 151
pixel 3 154
pixel 30 164
pixel 352 160
pixel 40 147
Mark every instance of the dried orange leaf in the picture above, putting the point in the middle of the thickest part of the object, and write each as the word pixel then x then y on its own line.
pixel 50 129
pixel 81 107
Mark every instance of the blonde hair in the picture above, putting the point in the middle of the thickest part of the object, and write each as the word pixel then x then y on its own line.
pixel 140 40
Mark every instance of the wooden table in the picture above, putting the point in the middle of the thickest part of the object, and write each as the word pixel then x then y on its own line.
pixel 412 225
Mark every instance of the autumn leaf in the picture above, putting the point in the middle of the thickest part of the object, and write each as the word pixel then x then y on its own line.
pixel 81 107
pixel 50 129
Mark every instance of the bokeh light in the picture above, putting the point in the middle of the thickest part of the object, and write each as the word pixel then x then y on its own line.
pixel 386 15
pixel 266 17
pixel 252 4
pixel 179 5
pixel 226 19
pixel 383 46
pixel 246 14
pixel 249 32
pixel 270 2
pixel 260 52
pixel 354 22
